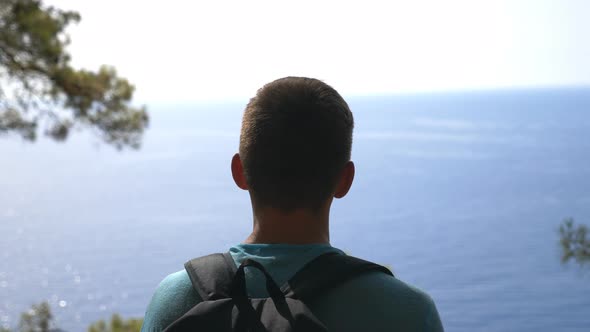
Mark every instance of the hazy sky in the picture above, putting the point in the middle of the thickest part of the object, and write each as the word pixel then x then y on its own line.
pixel 206 50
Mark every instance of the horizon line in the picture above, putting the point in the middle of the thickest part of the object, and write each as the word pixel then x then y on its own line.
pixel 401 93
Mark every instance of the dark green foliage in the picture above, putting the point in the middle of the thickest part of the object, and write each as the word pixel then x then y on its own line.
pixel 574 242
pixel 38 87
pixel 117 324
pixel 39 318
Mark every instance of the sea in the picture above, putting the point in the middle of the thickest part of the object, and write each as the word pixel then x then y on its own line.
pixel 460 193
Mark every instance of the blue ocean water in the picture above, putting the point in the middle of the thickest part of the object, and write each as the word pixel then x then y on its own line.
pixel 460 193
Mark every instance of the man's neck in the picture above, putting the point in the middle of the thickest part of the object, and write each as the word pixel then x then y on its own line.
pixel 297 227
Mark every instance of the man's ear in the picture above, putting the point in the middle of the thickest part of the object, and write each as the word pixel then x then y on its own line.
pixel 345 180
pixel 237 172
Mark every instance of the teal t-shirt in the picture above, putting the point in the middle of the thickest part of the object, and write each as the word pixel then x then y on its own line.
pixel 374 301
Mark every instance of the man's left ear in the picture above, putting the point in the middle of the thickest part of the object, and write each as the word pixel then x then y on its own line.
pixel 345 180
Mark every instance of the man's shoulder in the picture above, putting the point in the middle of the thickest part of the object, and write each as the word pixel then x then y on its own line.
pixel 175 281
pixel 381 299
pixel 173 297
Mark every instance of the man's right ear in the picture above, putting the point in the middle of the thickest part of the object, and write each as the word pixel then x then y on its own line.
pixel 237 172
pixel 345 181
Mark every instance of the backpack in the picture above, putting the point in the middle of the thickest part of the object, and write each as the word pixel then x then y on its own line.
pixel 226 306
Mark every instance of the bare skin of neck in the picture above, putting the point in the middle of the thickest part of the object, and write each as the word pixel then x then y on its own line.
pixel 301 226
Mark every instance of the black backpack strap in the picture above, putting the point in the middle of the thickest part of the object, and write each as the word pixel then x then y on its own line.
pixel 212 275
pixel 325 272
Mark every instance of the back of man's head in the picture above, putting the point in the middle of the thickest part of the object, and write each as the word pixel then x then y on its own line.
pixel 296 137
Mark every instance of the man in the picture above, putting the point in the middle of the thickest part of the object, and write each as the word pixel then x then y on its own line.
pixel 294 159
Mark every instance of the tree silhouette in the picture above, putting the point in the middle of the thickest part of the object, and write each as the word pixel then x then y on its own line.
pixel 40 319
pixel 574 242
pixel 39 88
